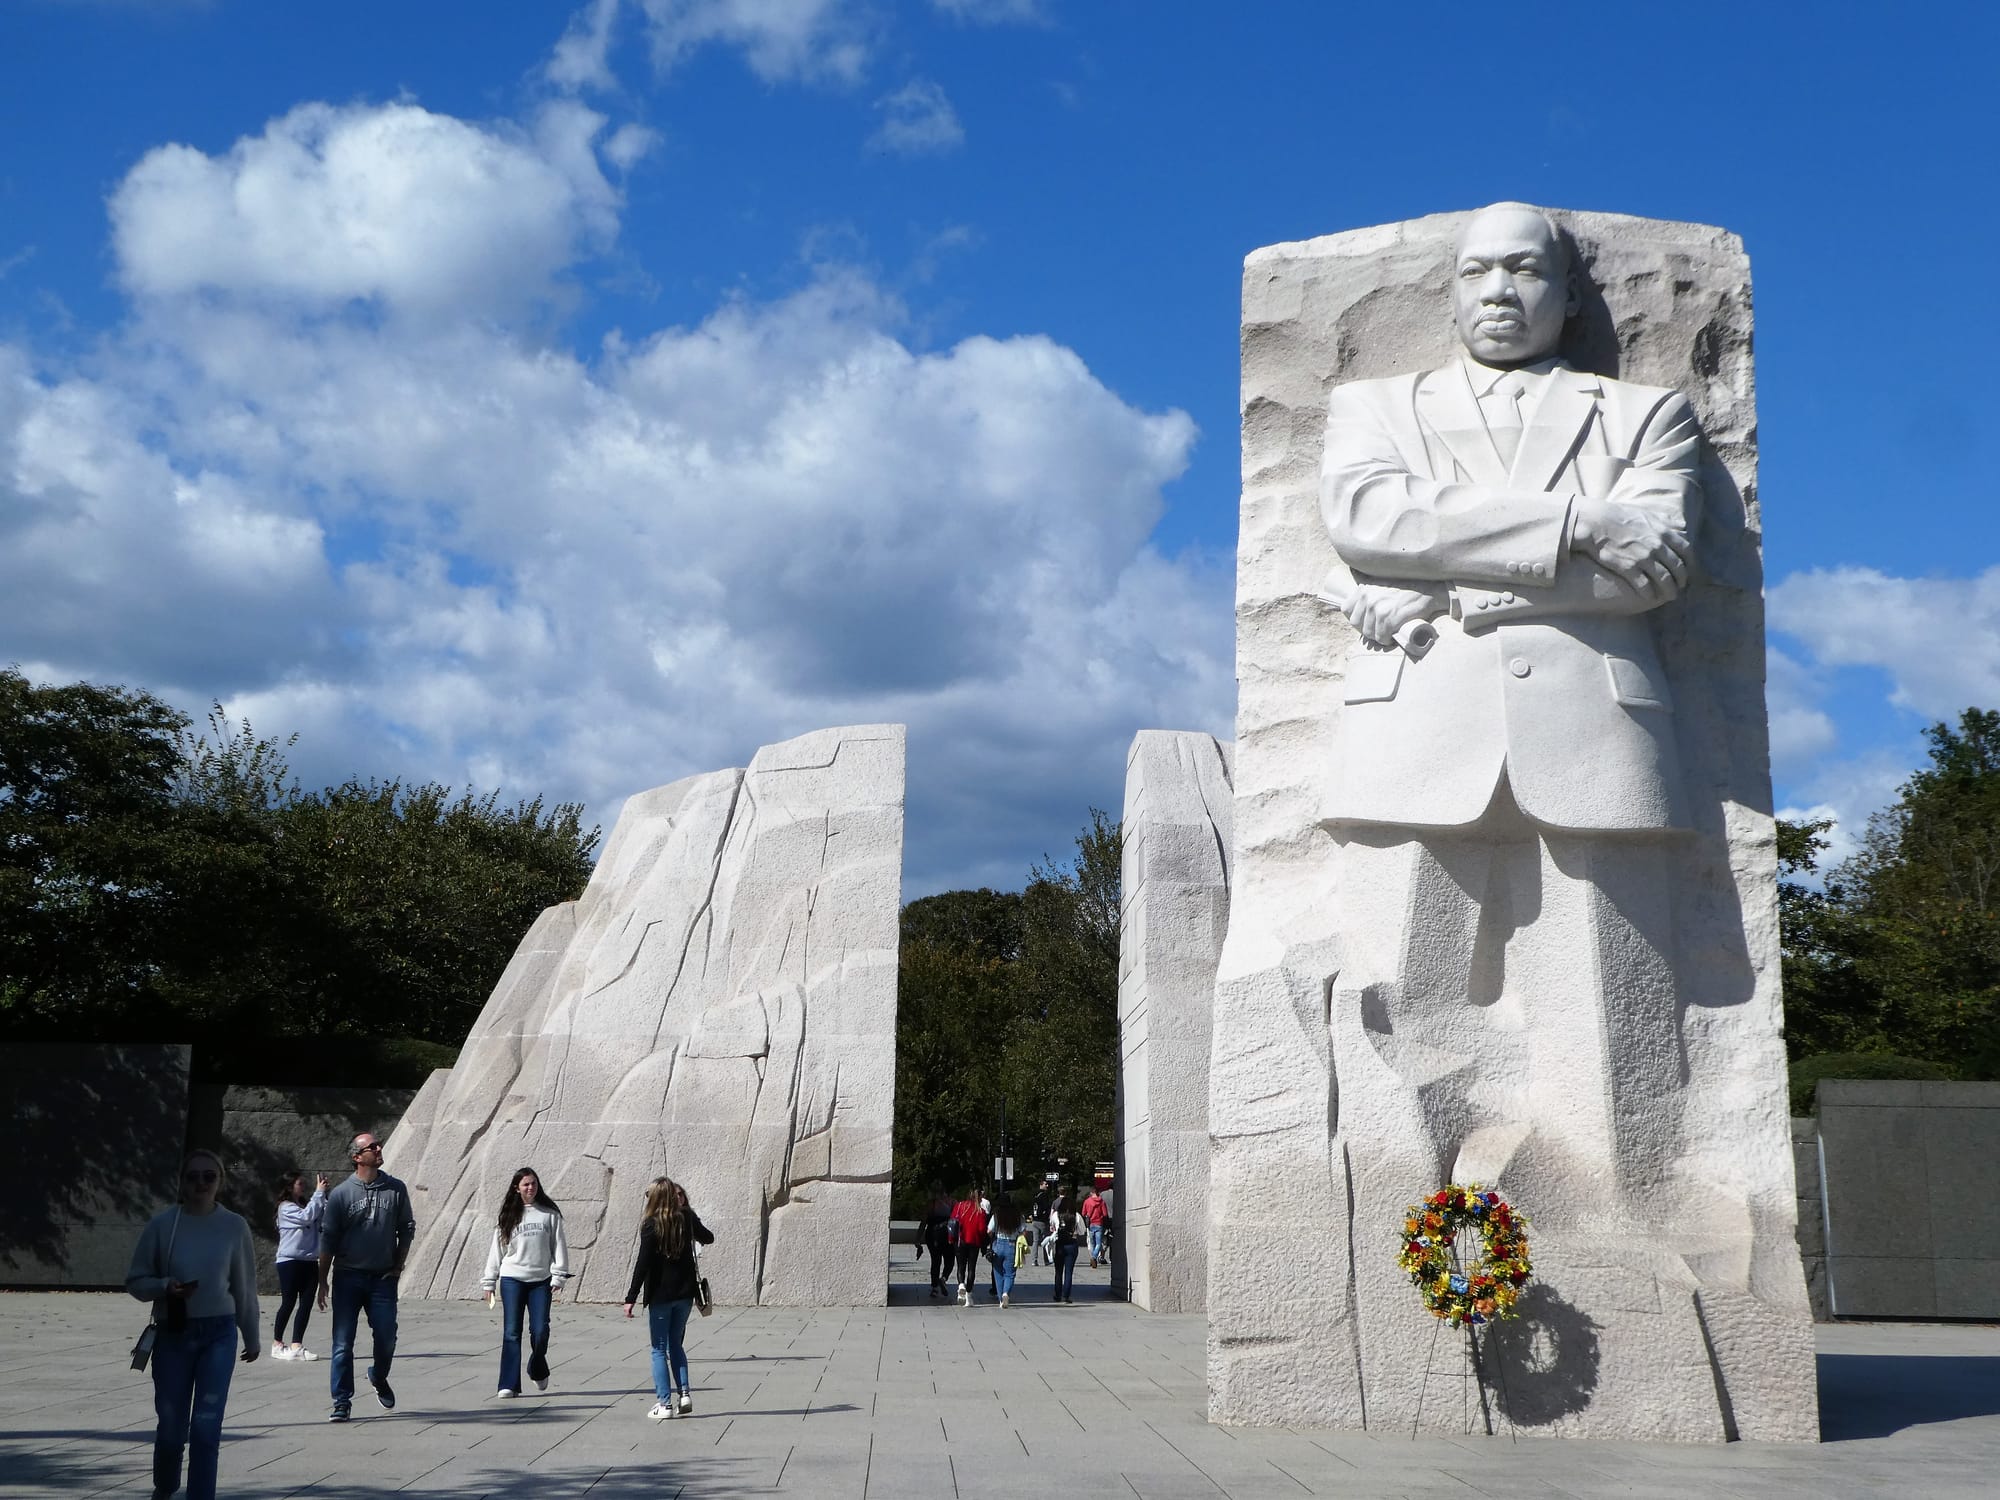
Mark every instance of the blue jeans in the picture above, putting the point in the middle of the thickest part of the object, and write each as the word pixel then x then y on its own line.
pixel 191 1371
pixel 1004 1268
pixel 1097 1242
pixel 516 1297
pixel 668 1322
pixel 353 1291
pixel 1065 1269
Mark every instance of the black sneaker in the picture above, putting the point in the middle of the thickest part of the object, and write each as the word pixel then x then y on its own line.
pixel 339 1412
pixel 382 1392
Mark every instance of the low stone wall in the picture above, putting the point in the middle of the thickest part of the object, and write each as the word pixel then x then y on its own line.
pixel 1912 1174
pixel 94 1151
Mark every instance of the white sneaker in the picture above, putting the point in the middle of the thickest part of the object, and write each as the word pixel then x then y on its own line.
pixel 660 1412
pixel 279 1351
pixel 301 1353
pixel 1003 1299
pixel 687 1403
pixel 542 1383
pixel 503 1394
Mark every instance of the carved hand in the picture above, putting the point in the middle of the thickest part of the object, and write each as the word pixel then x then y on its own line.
pixel 1632 544
pixel 1379 610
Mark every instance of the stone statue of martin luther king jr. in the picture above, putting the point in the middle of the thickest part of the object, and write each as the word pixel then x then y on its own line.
pixel 1508 784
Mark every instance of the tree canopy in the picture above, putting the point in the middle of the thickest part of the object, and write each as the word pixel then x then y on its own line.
pixel 1010 998
pixel 1899 950
pixel 160 882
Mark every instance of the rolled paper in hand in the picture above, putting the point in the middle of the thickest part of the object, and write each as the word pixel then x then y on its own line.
pixel 1415 636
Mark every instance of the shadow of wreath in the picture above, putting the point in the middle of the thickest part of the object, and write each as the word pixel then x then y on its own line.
pixel 1542 1364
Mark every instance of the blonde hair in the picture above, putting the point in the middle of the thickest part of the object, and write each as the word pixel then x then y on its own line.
pixel 666 1202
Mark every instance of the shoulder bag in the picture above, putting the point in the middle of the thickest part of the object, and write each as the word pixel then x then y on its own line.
pixel 142 1350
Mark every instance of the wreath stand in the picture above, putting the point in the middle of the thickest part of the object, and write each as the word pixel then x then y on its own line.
pixel 1475 1364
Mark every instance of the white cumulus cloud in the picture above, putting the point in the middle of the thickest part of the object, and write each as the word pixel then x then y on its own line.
pixel 391 204
pixel 1937 639
pixel 918 120
pixel 782 40
pixel 582 55
pixel 437 547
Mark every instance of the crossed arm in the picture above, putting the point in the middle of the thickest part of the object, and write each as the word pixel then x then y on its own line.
pixel 1421 547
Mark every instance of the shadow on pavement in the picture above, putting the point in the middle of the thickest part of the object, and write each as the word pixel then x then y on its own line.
pixel 1874 1395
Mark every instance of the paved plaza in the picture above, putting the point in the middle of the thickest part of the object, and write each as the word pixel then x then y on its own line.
pixel 917 1399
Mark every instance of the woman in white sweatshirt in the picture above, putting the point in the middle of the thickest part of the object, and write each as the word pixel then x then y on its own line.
pixel 529 1262
pixel 195 1265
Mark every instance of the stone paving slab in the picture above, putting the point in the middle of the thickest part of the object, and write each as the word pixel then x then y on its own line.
pixel 920 1399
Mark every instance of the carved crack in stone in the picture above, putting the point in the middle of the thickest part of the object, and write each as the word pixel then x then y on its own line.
pixel 738 793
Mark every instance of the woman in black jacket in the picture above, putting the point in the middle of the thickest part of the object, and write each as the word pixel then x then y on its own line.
pixel 665 1272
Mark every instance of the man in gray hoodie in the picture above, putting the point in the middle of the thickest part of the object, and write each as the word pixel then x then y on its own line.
pixel 364 1235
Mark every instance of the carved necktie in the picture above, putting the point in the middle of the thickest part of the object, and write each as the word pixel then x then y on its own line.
pixel 1502 410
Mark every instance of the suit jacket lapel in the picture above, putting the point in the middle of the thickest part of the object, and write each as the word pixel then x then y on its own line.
pixel 1550 437
pixel 1446 404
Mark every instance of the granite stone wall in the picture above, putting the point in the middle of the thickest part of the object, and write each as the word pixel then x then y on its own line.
pixel 1913 1198
pixel 96 1138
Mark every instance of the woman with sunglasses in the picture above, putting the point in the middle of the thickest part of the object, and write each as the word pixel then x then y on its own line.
pixel 195 1265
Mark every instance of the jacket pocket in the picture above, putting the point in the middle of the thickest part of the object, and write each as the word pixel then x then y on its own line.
pixel 1637 684
pixel 1373 674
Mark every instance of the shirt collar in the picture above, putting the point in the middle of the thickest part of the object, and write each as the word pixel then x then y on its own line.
pixel 1485 377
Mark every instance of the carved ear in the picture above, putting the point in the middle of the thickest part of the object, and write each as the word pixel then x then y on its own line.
pixel 1573 303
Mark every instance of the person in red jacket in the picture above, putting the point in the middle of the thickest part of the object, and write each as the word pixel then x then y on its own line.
pixel 971 1221
pixel 1095 1212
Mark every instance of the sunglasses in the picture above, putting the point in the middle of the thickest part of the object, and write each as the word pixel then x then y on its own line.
pixel 202 1177
pixel 364 1150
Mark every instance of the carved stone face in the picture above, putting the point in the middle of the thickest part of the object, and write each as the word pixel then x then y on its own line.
pixel 1511 287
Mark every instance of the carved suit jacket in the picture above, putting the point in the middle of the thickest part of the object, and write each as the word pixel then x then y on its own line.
pixel 1545 671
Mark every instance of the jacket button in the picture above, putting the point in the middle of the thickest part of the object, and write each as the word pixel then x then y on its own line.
pixel 1506 598
pixel 1484 601
pixel 1519 666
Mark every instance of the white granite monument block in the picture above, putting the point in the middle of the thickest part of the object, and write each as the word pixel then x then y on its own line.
pixel 1503 902
pixel 1175 879
pixel 719 1008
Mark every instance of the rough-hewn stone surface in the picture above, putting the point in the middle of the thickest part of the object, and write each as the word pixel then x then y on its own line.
pixel 720 1007
pixel 1679 1312
pixel 1176 907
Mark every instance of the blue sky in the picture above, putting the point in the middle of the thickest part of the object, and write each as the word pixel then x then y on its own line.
pixel 569 400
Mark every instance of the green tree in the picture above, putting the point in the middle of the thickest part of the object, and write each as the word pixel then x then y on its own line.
pixel 1009 998
pixel 158 883
pixel 91 851
pixel 1061 1065
pixel 1899 952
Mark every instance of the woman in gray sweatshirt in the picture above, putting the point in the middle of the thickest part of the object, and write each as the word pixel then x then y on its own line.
pixel 195 1265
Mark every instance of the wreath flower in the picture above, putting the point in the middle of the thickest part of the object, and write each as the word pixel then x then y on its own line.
pixel 1440 1235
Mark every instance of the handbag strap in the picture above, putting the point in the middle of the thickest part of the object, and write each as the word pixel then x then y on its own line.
pixel 167 1270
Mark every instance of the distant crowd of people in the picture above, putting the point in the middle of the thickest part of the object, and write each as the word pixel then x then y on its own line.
pixel 345 1245
pixel 958 1234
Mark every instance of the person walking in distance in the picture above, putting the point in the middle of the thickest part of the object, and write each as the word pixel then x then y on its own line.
pixel 971 1221
pixel 936 1234
pixel 666 1274
pixel 298 1262
pixel 529 1262
pixel 195 1265
pixel 1004 1231
pixel 1066 1228
pixel 1095 1211
pixel 364 1235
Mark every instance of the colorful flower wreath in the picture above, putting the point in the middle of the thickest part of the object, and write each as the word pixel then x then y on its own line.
pixel 1453 1290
